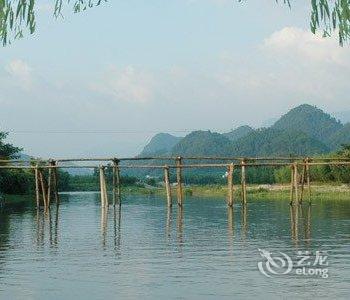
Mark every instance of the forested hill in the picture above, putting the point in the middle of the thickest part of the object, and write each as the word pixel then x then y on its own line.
pixel 311 120
pixel 160 144
pixel 239 132
pixel 304 130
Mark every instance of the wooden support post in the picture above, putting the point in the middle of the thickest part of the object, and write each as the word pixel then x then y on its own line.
pixel 103 188
pixel 243 182
pixel 114 180
pixel 167 186
pixel 291 184
pixel 55 182
pixel 230 184
pixel 117 180
pixel 308 178
pixel 302 181
pixel 294 184
pixel 37 193
pixel 49 186
pixel 179 180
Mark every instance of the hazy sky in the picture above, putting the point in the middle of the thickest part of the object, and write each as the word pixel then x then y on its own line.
pixel 104 81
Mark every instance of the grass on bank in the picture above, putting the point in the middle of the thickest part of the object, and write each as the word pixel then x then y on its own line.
pixel 257 191
pixel 277 192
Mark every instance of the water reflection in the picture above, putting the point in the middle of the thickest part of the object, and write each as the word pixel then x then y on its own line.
pixel 47 225
pixel 104 219
pixel 168 222
pixel 179 225
pixel 230 222
pixel 117 213
pixel 294 216
pixel 244 221
pixel 201 245
pixel 44 220
pixel 230 227
pixel 300 223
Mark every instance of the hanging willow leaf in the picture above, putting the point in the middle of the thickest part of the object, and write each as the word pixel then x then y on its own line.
pixel 18 16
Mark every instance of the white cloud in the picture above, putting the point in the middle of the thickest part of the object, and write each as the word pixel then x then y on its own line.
pixel 127 84
pixel 302 44
pixel 291 66
pixel 21 72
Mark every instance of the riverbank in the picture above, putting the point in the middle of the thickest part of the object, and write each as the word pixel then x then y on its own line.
pixel 324 191
pixel 277 192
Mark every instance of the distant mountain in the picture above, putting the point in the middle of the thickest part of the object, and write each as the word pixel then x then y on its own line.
pixel 70 171
pixel 304 130
pixel 269 141
pixel 160 144
pixel 200 143
pixel 23 156
pixel 238 133
pixel 342 136
pixel 310 120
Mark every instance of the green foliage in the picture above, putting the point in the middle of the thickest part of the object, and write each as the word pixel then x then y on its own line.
pixel 92 183
pixel 17 16
pixel 283 175
pixel 321 173
pixel 310 120
pixel 200 143
pixel 273 142
pixel 7 150
pixel 331 16
pixel 151 181
pixel 160 144
pixel 16 182
pixel 63 180
pixel 238 133
pixel 340 137
pixel 12 181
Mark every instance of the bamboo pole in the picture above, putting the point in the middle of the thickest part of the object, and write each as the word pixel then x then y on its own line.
pixel 118 179
pixel 114 178
pixel 116 182
pixel 55 182
pixel 303 179
pixel 179 180
pixel 49 187
pixel 230 184
pixel 243 182
pixel 308 178
pixel 167 186
pixel 295 183
pixel 291 184
pixel 37 193
pixel 104 200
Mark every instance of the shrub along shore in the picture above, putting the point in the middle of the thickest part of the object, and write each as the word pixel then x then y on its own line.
pixel 276 192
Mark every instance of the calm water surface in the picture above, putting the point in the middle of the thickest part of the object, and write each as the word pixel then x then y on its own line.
pixel 205 250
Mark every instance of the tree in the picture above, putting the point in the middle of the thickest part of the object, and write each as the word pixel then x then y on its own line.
pixel 17 16
pixel 12 181
pixel 7 150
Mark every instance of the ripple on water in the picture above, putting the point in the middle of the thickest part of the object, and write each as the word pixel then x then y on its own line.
pixel 201 251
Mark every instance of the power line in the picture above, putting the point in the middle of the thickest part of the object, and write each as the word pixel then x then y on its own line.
pixel 102 131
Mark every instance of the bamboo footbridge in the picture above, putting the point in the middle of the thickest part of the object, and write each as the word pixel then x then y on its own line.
pixel 46 183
